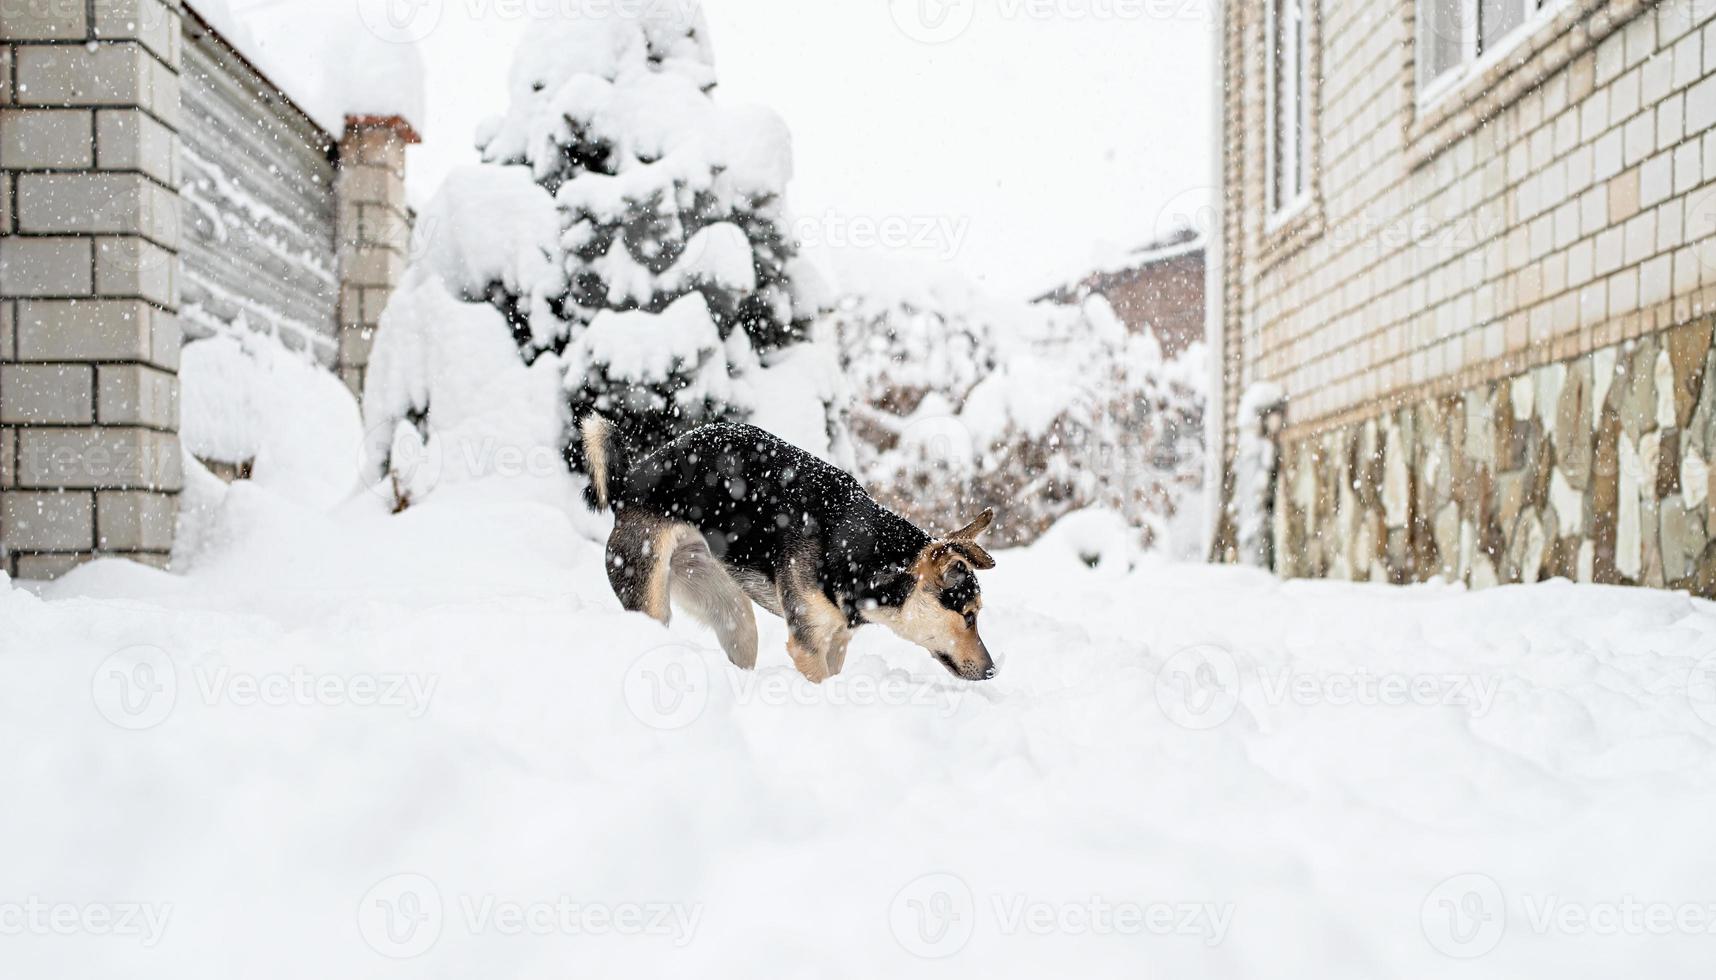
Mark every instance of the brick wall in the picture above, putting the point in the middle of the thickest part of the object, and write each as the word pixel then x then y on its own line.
pixel 94 135
pixel 1167 295
pixel 374 231
pixel 89 340
pixel 1561 205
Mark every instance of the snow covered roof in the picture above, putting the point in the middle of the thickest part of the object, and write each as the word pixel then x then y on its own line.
pixel 1178 244
pixel 342 68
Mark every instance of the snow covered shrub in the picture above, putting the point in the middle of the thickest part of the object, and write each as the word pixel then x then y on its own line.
pixel 626 234
pixel 1038 410
pixel 1261 411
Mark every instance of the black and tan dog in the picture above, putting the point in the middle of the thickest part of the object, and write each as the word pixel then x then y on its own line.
pixel 728 513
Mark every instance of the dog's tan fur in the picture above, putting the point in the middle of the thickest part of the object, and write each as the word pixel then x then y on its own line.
pixel 817 633
pixel 596 431
pixel 923 619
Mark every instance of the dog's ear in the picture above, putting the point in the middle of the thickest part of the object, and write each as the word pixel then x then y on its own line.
pixel 973 553
pixel 970 531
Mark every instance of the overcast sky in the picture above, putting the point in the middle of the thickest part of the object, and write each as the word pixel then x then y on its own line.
pixel 1019 141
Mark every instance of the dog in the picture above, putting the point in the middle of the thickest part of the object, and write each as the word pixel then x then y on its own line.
pixel 728 514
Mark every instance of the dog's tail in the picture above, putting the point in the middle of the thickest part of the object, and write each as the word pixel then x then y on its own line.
pixel 605 458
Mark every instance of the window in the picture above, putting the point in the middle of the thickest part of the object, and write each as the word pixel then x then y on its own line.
pixel 1454 35
pixel 1289 105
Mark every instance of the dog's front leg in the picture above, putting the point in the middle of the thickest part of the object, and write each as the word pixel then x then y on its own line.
pixel 813 664
pixel 814 624
pixel 836 655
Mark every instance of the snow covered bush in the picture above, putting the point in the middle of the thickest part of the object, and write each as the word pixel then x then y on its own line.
pixel 1038 410
pixel 1261 411
pixel 625 234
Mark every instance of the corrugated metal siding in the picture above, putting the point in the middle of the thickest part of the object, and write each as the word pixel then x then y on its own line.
pixel 257 203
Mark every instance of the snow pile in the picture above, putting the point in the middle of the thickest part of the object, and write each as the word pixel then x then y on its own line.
pixel 332 58
pixel 431 744
pixel 1095 537
pixel 1038 410
pixel 249 405
pixel 627 234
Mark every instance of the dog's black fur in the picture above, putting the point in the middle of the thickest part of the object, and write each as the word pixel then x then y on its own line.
pixel 760 500
pixel 781 522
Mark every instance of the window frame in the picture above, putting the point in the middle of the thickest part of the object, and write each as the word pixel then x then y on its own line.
pixel 1475 60
pixel 1281 211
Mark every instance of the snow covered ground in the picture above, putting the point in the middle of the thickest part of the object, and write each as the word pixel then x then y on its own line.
pixel 431 745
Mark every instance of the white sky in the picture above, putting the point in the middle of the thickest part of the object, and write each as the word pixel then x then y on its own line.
pixel 1036 142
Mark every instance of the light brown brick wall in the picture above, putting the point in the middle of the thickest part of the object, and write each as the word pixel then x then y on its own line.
pixel 374 234
pixel 1444 249
pixel 1558 208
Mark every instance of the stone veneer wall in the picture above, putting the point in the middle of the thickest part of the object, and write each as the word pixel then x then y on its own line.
pixel 1596 469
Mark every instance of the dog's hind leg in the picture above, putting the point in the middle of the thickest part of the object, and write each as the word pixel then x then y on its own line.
pixel 639 557
pixel 703 586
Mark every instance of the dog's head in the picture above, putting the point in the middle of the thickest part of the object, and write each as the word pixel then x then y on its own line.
pixel 934 602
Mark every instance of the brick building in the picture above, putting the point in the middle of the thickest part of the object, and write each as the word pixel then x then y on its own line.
pixel 155 185
pixel 1473 248
pixel 1159 287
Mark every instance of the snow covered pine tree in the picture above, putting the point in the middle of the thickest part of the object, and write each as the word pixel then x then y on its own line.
pixel 627 231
